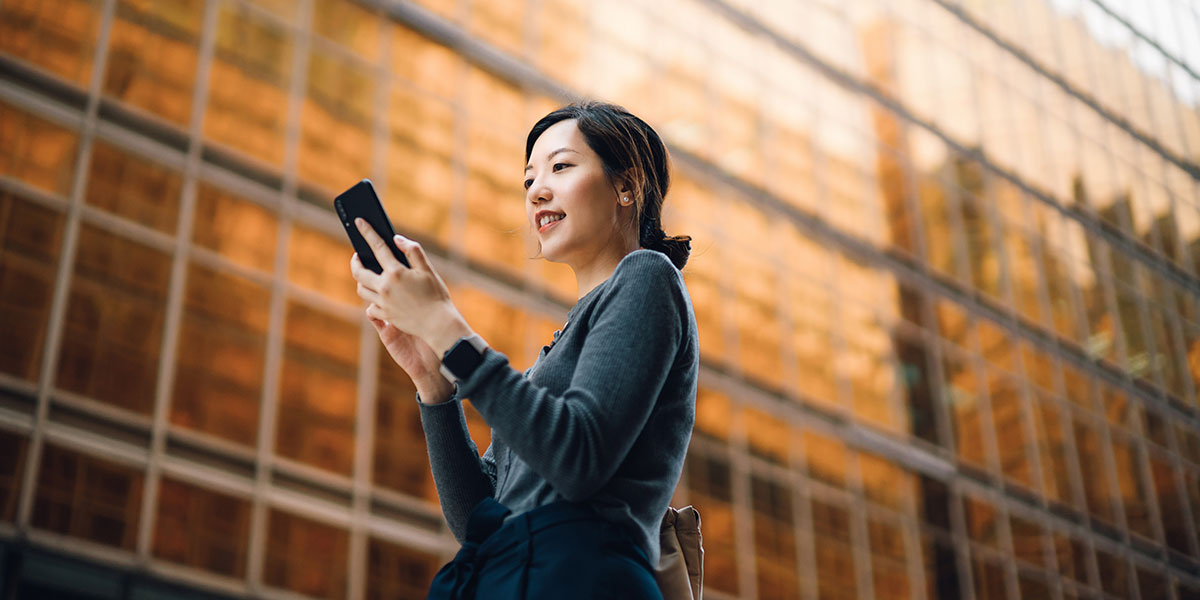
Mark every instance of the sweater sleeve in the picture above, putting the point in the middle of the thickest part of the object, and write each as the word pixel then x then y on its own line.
pixel 577 440
pixel 463 478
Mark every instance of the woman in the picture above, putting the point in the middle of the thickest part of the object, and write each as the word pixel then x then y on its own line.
pixel 588 443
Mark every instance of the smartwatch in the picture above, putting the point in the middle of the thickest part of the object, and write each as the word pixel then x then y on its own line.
pixel 461 360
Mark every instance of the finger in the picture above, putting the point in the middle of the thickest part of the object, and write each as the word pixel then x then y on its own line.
pixel 414 252
pixel 368 294
pixel 379 248
pixel 362 274
pixel 376 314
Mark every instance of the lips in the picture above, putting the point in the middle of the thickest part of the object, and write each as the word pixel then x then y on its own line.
pixel 547 226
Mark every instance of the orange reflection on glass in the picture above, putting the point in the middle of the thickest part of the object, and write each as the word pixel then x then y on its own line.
pixel 336 122
pixel 714 413
pixel 114 320
pixel 321 263
pixel 12 469
pixel 35 151
pixel 421 178
pixel 501 324
pixel 133 187
pixel 769 436
pixel 560 35
pixel 826 458
pixel 235 228
pixel 1132 485
pixel 318 387
pixel 756 313
pixel 57 36
pixel 247 103
pixel 306 556
pixel 30 237
pixel 496 219
pixel 884 482
pixel 701 277
pixel 400 459
pixel 962 395
pixel 710 489
pixel 396 571
pixel 835 555
pixel 202 528
pixel 221 355
pixel 1095 474
pixel 774 539
pixel 152 56
pixel 1052 446
pixel 420 61
pixel 500 22
pixel 351 25
pixel 889 572
pixel 88 498
pixel 1008 417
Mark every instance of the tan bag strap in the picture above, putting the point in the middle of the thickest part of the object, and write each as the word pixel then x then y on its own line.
pixel 680 570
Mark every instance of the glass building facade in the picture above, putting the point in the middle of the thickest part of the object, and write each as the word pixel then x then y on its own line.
pixel 946 269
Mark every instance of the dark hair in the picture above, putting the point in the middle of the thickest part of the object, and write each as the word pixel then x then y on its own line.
pixel 628 148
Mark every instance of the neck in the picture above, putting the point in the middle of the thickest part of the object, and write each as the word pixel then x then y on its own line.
pixel 600 266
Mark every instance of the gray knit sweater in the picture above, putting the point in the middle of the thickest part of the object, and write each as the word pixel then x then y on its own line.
pixel 604 415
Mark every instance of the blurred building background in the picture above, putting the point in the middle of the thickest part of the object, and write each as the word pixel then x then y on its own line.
pixel 946 266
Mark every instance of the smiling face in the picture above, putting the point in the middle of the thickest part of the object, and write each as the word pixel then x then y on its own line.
pixel 565 180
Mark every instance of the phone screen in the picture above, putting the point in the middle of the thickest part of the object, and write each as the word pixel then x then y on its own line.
pixel 361 201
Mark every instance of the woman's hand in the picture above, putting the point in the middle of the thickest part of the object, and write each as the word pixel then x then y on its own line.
pixel 416 358
pixel 412 301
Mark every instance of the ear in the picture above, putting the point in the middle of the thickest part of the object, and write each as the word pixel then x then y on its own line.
pixel 624 184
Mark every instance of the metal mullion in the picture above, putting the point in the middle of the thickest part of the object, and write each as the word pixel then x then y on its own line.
pixel 58 304
pixel 273 366
pixel 860 543
pixel 737 453
pixel 802 529
pixel 368 364
pixel 174 309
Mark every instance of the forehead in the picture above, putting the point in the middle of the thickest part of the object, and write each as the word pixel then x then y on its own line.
pixel 563 134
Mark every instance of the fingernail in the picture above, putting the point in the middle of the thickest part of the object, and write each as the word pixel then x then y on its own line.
pixel 358 222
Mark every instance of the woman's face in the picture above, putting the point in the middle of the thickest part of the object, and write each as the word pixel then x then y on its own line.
pixel 565 179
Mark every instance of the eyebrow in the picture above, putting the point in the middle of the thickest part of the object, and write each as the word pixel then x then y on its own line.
pixel 563 149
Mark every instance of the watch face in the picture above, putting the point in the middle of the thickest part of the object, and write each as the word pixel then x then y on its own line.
pixel 462 359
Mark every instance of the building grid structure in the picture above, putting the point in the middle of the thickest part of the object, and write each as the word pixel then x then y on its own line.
pixel 946 270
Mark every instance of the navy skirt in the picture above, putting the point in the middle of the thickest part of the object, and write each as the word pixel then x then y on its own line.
pixel 560 550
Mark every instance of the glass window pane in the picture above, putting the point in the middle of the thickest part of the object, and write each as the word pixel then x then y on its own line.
pixel 1028 540
pixel 87 497
pixel 135 188
pixel 336 122
pixel 201 528
pixel 1095 475
pixel 30 238
pixel 888 569
pixel 983 521
pixel 826 458
pixel 57 36
pixel 497 225
pixel 306 556
pixel 835 557
pixel 321 263
pixel 419 60
pixel 36 152
pixel 1008 416
pixel 1173 512
pixel 351 25
pixel 1131 485
pixel 709 481
pixel 989 578
pixel 769 436
pixel 240 230
pixel 152 56
pixel 396 571
pixel 421 173
pixel 400 458
pixel 248 83
pixel 12 470
pixel 713 413
pixel 221 355
pixel 774 539
pixel 318 389
pixel 114 320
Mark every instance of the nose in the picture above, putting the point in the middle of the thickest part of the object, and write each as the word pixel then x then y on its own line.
pixel 538 193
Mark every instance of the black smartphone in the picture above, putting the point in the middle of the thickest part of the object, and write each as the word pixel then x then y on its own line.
pixel 361 201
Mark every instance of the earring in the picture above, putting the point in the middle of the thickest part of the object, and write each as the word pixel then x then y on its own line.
pixel 625 201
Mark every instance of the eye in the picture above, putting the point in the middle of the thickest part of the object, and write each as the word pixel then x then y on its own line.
pixel 563 165
pixel 528 182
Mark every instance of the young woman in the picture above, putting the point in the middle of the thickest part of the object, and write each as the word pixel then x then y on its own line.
pixel 588 443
